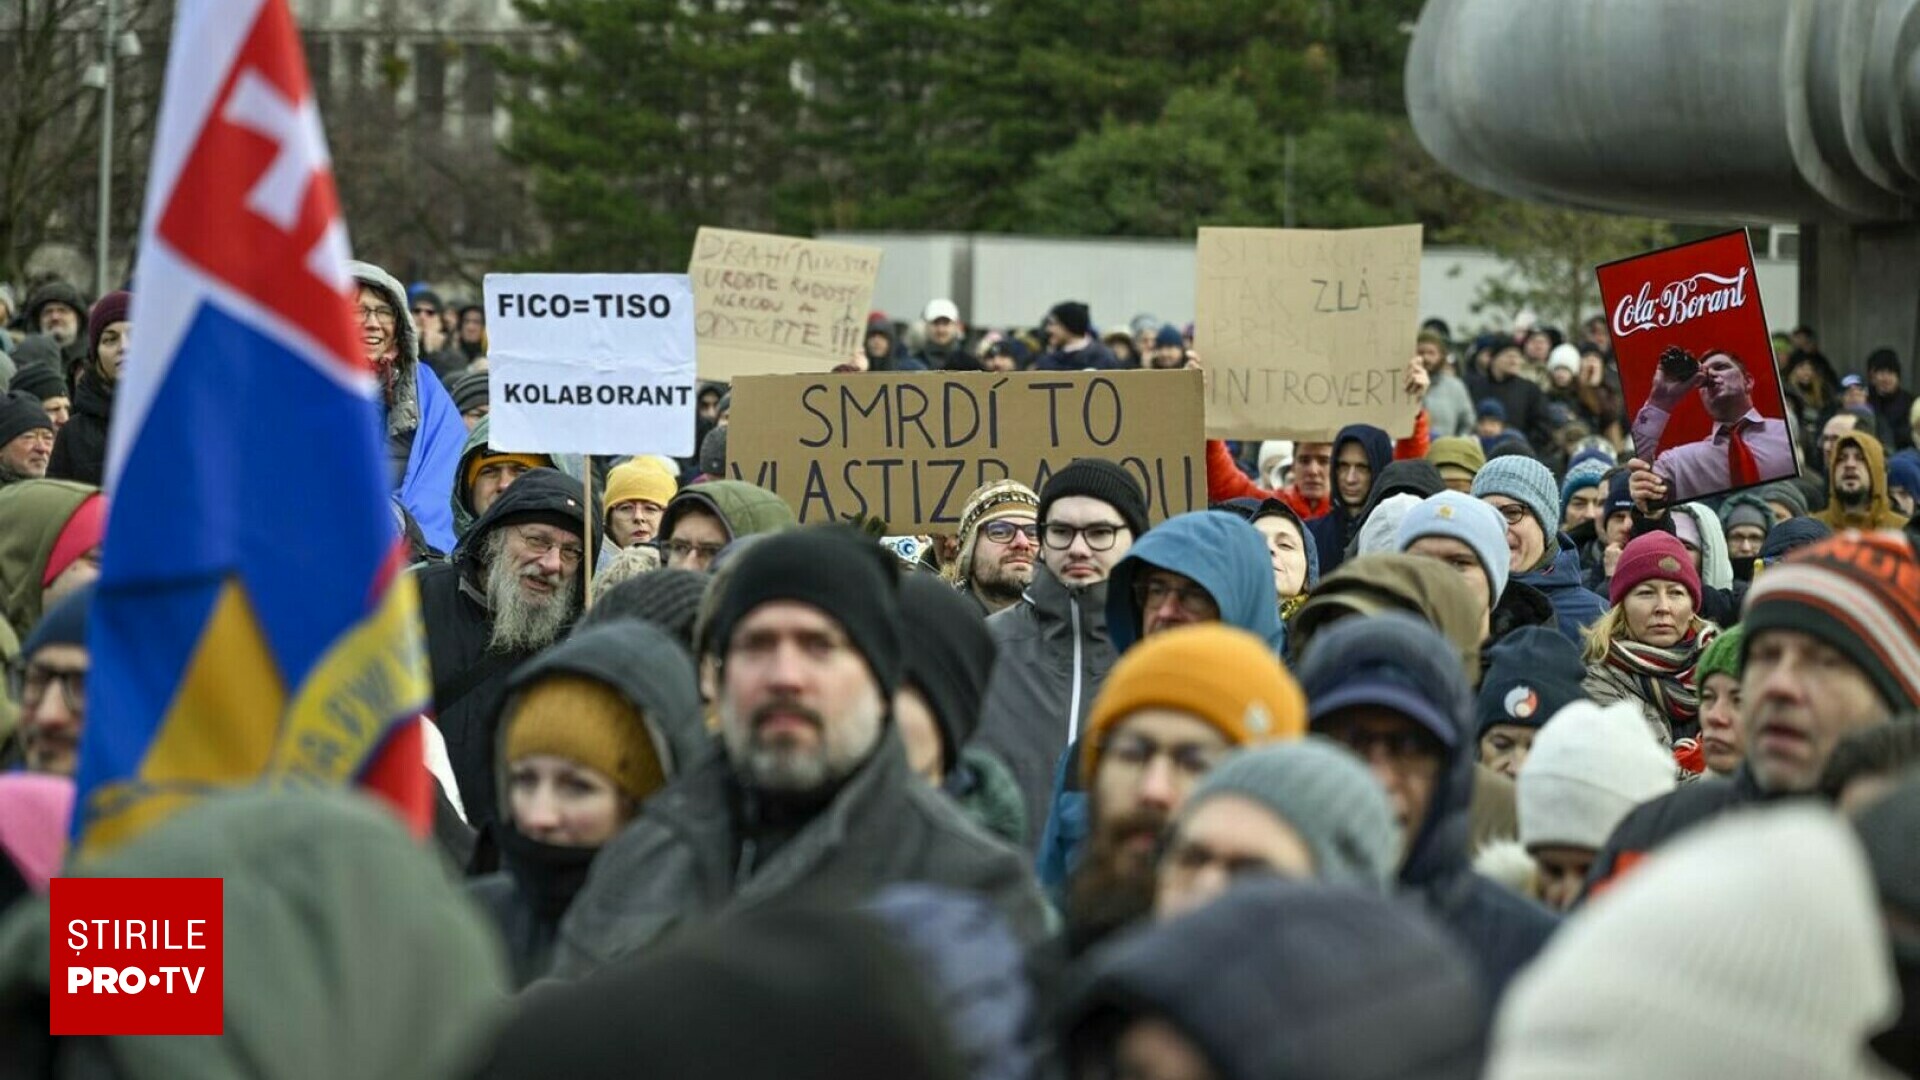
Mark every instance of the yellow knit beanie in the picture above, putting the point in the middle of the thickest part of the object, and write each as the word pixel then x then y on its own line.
pixel 1219 674
pixel 589 723
pixel 640 478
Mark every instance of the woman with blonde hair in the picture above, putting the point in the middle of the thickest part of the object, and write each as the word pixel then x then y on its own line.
pixel 1645 648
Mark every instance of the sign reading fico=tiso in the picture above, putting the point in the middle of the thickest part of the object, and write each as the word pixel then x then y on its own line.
pixel 591 363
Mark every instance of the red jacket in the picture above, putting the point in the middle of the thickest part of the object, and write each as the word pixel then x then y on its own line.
pixel 1226 481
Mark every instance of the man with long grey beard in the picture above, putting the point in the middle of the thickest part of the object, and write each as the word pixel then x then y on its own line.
pixel 512 588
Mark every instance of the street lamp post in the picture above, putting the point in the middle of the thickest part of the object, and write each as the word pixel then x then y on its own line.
pixel 106 149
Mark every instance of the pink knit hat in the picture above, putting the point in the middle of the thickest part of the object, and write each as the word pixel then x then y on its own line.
pixel 1654 556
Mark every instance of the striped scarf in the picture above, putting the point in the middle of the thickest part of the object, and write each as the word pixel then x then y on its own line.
pixel 1664 675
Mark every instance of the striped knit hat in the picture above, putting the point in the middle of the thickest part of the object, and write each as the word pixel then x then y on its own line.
pixel 1858 593
pixel 995 499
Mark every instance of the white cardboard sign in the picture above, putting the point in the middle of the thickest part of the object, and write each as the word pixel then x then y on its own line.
pixel 590 363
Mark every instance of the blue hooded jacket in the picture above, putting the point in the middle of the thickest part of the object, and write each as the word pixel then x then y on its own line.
pixel 1575 607
pixel 1225 555
pixel 1332 530
pixel 1400 661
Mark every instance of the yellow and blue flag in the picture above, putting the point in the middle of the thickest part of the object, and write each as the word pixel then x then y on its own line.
pixel 251 624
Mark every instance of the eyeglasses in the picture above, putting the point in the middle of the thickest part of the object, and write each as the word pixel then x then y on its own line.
pixel 1194 600
pixel 1098 537
pixel 538 544
pixel 681 549
pixel 378 313
pixel 30 686
pixel 1002 532
pixel 1514 513
pixel 1192 760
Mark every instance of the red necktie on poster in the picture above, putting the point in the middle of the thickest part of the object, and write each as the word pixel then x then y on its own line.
pixel 1741 467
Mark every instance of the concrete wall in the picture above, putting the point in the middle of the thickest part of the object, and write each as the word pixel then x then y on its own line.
pixel 1001 281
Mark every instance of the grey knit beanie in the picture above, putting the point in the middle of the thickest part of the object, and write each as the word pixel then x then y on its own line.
pixel 1523 480
pixel 1325 794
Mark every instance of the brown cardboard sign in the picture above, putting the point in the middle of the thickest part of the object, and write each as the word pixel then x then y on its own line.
pixel 1304 331
pixel 909 448
pixel 773 305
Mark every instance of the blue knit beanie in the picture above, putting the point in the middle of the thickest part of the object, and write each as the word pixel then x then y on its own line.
pixel 1584 475
pixel 1468 520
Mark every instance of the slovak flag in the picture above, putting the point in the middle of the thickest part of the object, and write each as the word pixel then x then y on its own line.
pixel 251 624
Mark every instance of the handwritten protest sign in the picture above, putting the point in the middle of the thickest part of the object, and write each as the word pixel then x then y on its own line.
pixel 909 448
pixel 774 305
pixel 1304 331
pixel 590 363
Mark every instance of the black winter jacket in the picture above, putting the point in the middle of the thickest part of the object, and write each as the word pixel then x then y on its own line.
pixel 80 450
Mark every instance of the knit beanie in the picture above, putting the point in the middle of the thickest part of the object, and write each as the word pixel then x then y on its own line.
pixel 989 502
pixel 1722 655
pixel 669 599
pixel 835 568
pixel 1468 520
pixel 1903 471
pixel 1169 337
pixel 39 382
pixel 469 391
pixel 1746 510
pixel 1785 492
pixel 1564 357
pixel 1619 497
pixel 1527 481
pixel 643 477
pixel 107 310
pixel 586 721
pixel 1585 475
pixel 1790 536
pixel 20 412
pixel 84 530
pixel 1383 524
pixel 1589 766
pixel 949 660
pixel 1098 478
pixel 1599 454
pixel 1324 793
pixel 1534 672
pixel 1654 556
pixel 1073 317
pixel 482 460
pixel 1859 594
pixel 1490 409
pixel 1787 980
pixel 65 623
pixel 1458 451
pixel 1219 674
pixel 713 453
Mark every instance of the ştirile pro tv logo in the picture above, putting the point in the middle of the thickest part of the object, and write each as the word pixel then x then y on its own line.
pixel 136 956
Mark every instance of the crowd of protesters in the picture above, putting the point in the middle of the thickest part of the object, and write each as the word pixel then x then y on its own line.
pixel 1446 755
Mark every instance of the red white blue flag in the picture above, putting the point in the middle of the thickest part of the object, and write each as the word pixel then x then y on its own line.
pixel 251 624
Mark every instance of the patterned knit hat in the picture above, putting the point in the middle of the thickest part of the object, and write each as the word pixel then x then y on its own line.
pixel 1858 593
pixel 991 500
pixel 1221 674
pixel 1654 556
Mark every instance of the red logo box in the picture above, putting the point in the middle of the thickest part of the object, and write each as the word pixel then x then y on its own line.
pixel 136 956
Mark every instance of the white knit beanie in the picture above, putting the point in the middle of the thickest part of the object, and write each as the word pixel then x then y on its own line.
pixel 1589 766
pixel 1751 947
pixel 1377 534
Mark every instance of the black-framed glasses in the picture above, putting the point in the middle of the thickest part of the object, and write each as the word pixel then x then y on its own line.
pixel 379 313
pixel 30 683
pixel 1192 760
pixel 1003 532
pixel 681 549
pixel 1099 536
pixel 1513 512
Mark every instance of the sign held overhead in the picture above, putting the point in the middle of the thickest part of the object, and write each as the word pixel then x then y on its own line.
pixel 1304 331
pixel 909 448
pixel 591 363
pixel 776 305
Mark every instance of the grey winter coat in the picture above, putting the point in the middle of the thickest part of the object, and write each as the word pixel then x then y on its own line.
pixel 1054 654
pixel 682 860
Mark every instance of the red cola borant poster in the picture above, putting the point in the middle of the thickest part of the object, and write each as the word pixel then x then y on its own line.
pixel 1702 395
